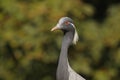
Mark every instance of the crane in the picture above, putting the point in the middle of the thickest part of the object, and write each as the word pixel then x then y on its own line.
pixel 64 71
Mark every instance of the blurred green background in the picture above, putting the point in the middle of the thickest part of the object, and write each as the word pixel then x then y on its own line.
pixel 29 51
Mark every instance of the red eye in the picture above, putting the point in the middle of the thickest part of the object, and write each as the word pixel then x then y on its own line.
pixel 67 22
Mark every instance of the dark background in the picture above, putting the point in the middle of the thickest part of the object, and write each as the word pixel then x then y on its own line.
pixel 29 50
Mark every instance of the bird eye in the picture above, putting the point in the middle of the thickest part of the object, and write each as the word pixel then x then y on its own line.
pixel 67 22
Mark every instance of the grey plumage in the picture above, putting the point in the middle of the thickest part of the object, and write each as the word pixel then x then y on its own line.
pixel 64 71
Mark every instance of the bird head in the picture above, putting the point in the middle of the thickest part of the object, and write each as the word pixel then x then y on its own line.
pixel 66 25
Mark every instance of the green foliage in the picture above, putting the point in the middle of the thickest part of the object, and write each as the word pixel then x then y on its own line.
pixel 29 51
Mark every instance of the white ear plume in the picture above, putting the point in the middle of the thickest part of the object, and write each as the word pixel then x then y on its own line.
pixel 76 37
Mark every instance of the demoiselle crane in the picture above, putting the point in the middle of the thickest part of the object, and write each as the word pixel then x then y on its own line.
pixel 64 71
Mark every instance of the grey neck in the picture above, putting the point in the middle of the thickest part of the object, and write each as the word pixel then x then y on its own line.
pixel 62 70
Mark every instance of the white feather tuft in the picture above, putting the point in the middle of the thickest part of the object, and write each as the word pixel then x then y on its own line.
pixel 76 37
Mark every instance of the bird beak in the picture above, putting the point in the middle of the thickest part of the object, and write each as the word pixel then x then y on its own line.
pixel 54 28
